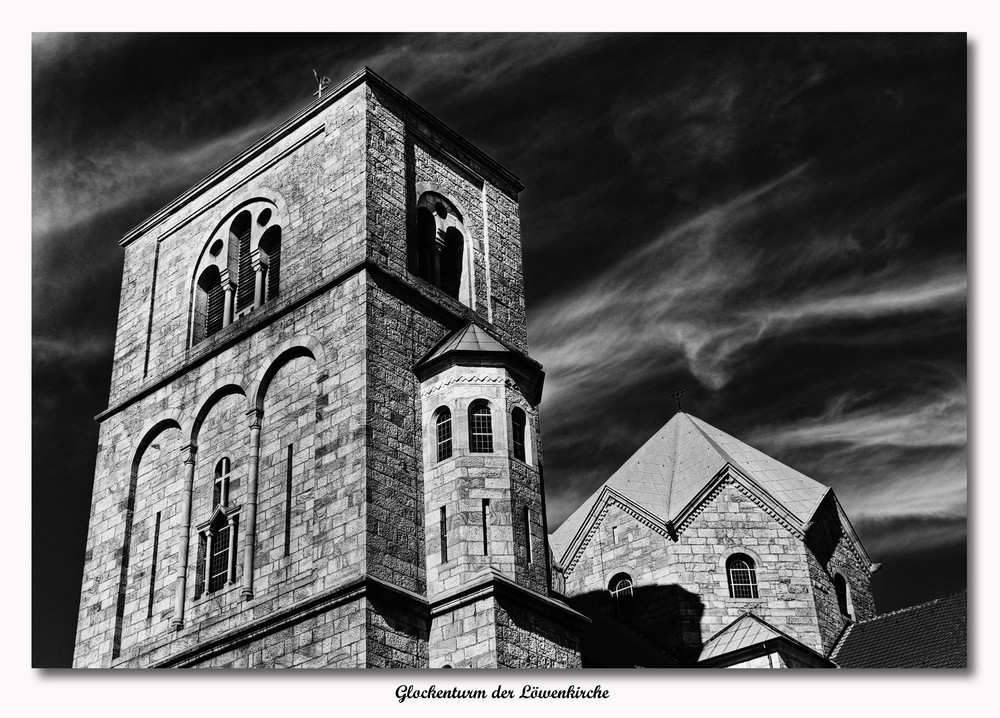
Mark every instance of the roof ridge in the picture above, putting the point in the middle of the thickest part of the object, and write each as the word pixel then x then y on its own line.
pixel 673 464
pixel 925 604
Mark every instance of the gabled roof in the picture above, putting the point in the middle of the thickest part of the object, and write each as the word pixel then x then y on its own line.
pixel 671 473
pixel 930 635
pixel 750 636
pixel 745 631
pixel 471 345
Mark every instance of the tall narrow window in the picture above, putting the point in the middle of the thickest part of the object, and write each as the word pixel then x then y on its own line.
pixel 480 429
pixel 620 588
pixel 209 305
pixel 742 576
pixel 270 247
pixel 152 568
pixel 518 421
pixel 218 565
pixel 486 529
pixel 451 261
pixel 526 523
pixel 240 235
pixel 288 500
pixel 444 535
pixel 443 424
pixel 843 596
pixel 220 492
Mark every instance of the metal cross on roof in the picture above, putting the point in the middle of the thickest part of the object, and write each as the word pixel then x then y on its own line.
pixel 676 396
pixel 322 82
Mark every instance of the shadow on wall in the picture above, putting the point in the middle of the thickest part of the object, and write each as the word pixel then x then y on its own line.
pixel 657 626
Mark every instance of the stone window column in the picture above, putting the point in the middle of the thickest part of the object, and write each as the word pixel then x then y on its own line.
pixel 255 416
pixel 208 560
pixel 231 558
pixel 180 584
pixel 259 263
pixel 228 289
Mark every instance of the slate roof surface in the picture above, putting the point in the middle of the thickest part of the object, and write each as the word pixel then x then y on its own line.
pixel 931 635
pixel 669 470
pixel 745 631
pixel 469 338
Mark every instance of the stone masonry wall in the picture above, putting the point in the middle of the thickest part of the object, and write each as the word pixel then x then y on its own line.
pixel 681 590
pixel 328 479
pixel 317 183
pixel 831 552
pixel 404 155
pixel 465 637
pixel 527 639
pixel 333 639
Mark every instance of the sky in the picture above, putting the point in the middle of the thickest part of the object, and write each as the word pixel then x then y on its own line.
pixel 776 224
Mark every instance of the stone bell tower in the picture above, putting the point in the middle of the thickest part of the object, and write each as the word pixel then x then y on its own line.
pixel 321 447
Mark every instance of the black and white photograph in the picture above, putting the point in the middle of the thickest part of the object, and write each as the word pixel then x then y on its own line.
pixel 500 350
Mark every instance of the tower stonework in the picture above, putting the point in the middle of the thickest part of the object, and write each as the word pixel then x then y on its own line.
pixel 271 486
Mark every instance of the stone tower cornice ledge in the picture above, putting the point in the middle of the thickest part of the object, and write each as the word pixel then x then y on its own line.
pixel 329 97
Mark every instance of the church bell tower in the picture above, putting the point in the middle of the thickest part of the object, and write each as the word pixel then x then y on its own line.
pixel 321 447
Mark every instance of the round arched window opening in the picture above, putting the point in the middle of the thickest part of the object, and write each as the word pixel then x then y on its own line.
pixel 742 575
pixel 620 588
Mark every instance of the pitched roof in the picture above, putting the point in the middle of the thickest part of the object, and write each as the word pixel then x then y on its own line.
pixel 470 338
pixel 930 635
pixel 670 470
pixel 750 636
pixel 471 345
pixel 745 631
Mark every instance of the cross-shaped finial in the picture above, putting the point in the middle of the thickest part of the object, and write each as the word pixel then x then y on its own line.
pixel 676 396
pixel 322 82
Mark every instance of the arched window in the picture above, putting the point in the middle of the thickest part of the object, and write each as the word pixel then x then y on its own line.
pixel 220 491
pixel 239 270
pixel 438 254
pixel 620 588
pixel 443 426
pixel 518 421
pixel 239 234
pixel 209 303
pixel 742 576
pixel 843 596
pixel 270 258
pixel 480 429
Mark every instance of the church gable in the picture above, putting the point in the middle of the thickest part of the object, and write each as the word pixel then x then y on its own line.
pixel 678 469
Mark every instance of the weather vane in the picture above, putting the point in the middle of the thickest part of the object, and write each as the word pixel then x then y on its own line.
pixel 322 82
pixel 676 396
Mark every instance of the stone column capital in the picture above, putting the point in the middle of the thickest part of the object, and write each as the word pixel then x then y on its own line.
pixel 255 416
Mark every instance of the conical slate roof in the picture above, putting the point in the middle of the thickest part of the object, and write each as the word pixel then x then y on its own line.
pixel 471 345
pixel 670 470
pixel 470 338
